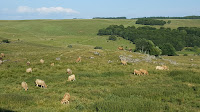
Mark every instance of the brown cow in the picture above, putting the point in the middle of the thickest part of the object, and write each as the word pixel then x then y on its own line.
pixel 124 62
pixel 144 72
pixel 120 48
pixel 2 55
pixel 137 72
pixel 65 99
pixel 165 67
pixel 79 59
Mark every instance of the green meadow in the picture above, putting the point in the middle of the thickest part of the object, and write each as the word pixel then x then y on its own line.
pixel 99 85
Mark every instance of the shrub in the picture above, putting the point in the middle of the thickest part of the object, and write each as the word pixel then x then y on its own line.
pixel 112 37
pixel 168 49
pixel 5 41
pixel 185 55
pixel 97 47
pixel 70 46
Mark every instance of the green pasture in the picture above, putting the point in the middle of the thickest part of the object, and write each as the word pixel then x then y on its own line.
pixel 99 85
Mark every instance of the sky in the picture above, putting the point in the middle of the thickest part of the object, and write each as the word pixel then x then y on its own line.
pixel 87 9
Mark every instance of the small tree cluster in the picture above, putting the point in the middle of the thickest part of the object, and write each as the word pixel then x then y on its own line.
pixel 5 41
pixel 112 37
pixel 148 21
pixel 97 47
pixel 147 46
pixel 168 49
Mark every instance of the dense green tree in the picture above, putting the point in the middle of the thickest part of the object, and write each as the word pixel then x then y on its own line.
pixel 148 21
pixel 112 37
pixel 168 22
pixel 147 46
pixel 168 49
pixel 178 38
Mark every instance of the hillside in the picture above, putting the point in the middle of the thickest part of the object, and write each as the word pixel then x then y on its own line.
pixel 100 85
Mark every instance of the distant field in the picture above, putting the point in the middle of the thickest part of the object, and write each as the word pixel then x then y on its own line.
pixel 99 86
pixel 65 32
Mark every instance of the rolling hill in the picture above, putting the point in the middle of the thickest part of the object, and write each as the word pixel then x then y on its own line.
pixel 102 83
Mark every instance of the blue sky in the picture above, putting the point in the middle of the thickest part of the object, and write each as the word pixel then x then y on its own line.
pixel 86 9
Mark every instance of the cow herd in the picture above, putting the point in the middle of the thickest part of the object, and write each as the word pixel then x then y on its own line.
pixel 41 83
pixel 66 98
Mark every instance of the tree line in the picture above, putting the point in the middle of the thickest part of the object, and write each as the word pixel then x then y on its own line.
pixel 186 17
pixel 166 39
pixel 148 21
pixel 109 18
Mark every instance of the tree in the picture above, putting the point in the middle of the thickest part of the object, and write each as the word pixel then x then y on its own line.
pixel 168 49
pixel 169 21
pixel 112 37
pixel 147 46
pixel 155 51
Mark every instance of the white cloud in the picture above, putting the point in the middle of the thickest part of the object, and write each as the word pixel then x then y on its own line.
pixel 55 10
pixel 24 9
pixel 45 10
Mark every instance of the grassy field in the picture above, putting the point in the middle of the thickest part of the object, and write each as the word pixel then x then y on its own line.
pixel 99 85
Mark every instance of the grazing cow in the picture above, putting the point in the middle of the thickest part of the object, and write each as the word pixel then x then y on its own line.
pixel 1 62
pixel 71 78
pixel 137 72
pixel 2 55
pixel 29 70
pixel 79 59
pixel 41 83
pixel 191 59
pixel 25 86
pixel 124 62
pixel 65 99
pixel 144 72
pixel 28 63
pixel 42 61
pixel 52 64
pixel 165 67
pixel 159 68
pixel 69 71
pixel 120 48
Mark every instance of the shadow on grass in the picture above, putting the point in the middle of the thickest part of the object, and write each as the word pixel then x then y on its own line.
pixel 5 110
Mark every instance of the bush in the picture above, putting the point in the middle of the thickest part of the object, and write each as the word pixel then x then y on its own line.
pixel 112 37
pixel 97 47
pixel 168 49
pixel 185 55
pixel 70 46
pixel 5 41
pixel 147 46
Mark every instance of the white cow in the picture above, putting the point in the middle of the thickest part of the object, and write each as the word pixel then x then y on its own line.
pixel 71 78
pixel 25 86
pixel 159 68
pixel 29 70
pixel 41 83
pixel 69 71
